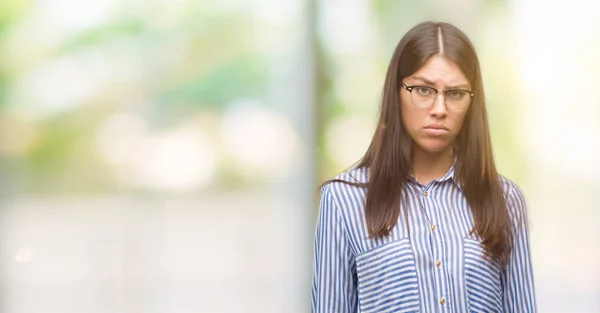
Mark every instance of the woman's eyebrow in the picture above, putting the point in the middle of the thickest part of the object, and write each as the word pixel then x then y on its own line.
pixel 459 87
pixel 424 80
pixel 431 83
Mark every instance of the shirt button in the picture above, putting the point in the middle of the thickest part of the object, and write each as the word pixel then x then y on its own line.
pixel 442 300
pixel 432 227
pixel 426 193
pixel 438 263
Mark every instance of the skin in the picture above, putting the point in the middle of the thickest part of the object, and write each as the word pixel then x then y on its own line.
pixel 433 149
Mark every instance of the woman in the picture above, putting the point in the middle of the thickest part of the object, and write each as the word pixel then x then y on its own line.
pixel 424 223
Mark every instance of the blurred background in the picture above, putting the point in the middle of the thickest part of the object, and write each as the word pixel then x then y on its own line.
pixel 164 155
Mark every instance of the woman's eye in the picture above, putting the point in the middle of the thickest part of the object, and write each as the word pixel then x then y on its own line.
pixel 456 94
pixel 422 91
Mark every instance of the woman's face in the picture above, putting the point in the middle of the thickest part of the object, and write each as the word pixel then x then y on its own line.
pixel 435 128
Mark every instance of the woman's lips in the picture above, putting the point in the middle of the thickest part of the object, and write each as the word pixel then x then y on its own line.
pixel 436 130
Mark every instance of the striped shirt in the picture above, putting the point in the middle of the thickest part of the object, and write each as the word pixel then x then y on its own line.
pixel 438 268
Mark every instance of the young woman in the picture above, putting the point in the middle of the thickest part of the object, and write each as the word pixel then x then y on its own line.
pixel 424 223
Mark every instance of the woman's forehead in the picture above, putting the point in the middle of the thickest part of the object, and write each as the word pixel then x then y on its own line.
pixel 439 70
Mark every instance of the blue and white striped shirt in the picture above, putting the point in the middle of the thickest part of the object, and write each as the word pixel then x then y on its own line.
pixel 435 269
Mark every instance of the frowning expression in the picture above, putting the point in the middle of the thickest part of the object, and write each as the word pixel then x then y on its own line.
pixel 434 129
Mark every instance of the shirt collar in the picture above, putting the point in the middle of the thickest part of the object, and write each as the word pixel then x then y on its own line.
pixel 451 174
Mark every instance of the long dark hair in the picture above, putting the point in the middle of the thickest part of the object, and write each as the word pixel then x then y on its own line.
pixel 388 157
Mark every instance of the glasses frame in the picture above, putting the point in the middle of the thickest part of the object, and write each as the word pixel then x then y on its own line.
pixel 437 92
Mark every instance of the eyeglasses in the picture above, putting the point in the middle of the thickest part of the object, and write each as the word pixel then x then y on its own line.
pixel 455 99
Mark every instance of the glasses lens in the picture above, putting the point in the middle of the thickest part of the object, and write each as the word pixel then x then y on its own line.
pixel 457 99
pixel 423 96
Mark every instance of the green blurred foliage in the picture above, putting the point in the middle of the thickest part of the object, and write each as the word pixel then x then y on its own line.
pixel 11 11
pixel 63 158
pixel 242 77
pixel 219 64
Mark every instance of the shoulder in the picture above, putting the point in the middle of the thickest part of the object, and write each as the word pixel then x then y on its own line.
pixel 343 181
pixel 515 199
pixel 512 192
pixel 342 193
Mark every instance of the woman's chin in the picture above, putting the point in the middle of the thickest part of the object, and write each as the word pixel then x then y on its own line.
pixel 431 147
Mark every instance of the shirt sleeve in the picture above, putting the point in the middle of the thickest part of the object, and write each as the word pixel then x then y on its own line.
pixel 334 283
pixel 519 291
